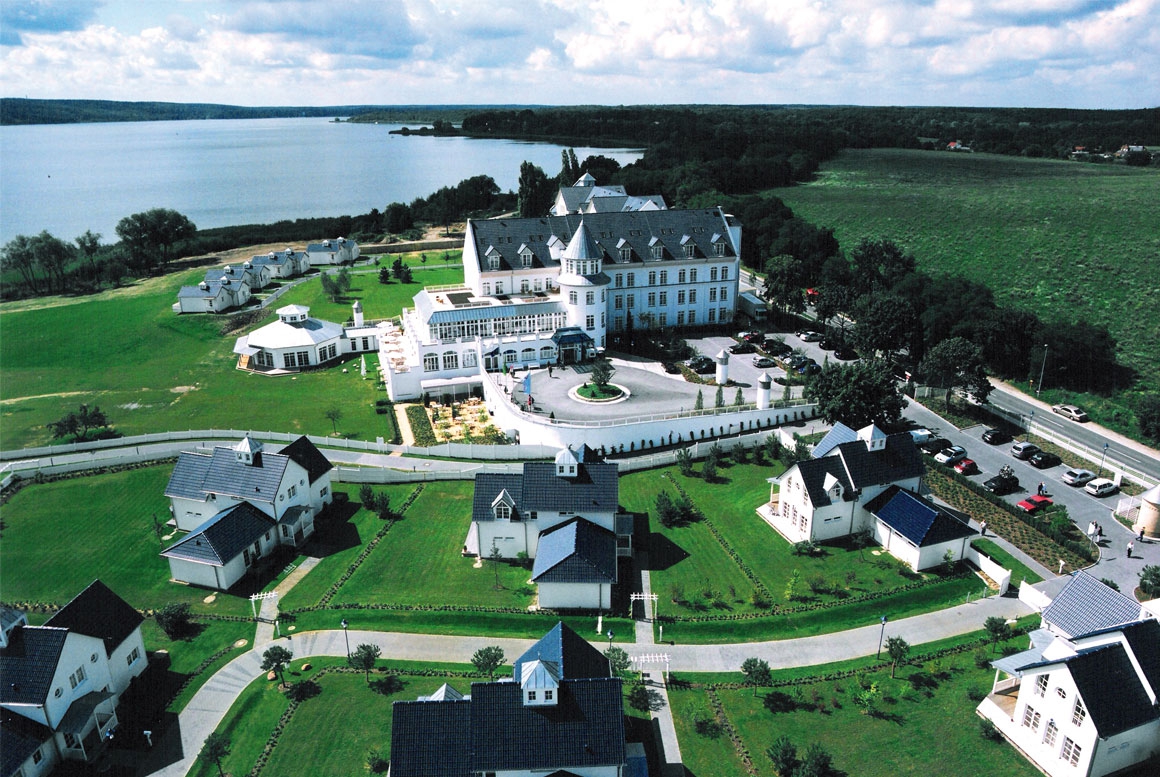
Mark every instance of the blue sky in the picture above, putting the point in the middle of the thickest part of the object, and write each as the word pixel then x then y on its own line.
pixel 1037 53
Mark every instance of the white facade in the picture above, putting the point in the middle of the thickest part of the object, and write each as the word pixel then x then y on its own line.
pixel 513 537
pixel 296 341
pixel 213 296
pixel 579 596
pixel 328 252
pixel 224 576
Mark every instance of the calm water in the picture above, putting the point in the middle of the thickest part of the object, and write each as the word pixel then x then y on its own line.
pixel 72 177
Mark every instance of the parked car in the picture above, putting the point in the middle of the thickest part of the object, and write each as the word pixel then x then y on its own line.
pixel 1024 450
pixel 763 362
pixel 829 344
pixel 795 360
pixel 775 347
pixel 995 436
pixel 1070 411
pixel 1101 487
pixel 702 365
pixel 951 455
pixel 810 368
pixel 1078 477
pixel 921 435
pixel 743 347
pixel 1034 503
pixel 671 368
pixel 967 467
pixel 845 354
pixel 1044 460
pixel 810 336
pixel 753 338
pixel 1003 483
pixel 931 447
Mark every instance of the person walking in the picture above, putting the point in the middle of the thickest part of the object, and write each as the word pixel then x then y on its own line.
pixel 1131 545
pixel 982 528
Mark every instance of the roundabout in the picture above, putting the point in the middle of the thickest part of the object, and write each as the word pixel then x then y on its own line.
pixel 590 393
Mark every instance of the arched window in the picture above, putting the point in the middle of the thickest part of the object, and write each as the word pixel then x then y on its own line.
pixel 469 358
pixel 547 353
pixel 509 357
pixel 528 355
pixel 450 360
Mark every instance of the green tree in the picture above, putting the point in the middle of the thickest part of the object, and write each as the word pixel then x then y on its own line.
pixel 334 415
pixel 535 191
pixel 79 423
pixel 53 255
pixel 19 254
pixel 792 585
pixel 817 762
pixel 601 374
pixel 756 673
pixel 151 236
pixel 495 556
pixel 398 218
pixel 997 629
pixel 488 659
pixel 666 511
pixel 89 244
pixel 957 363
pixel 364 658
pixel 1148 416
pixel 783 755
pixel 867 698
pixel 618 661
pixel 699 404
pixel 885 323
pixel 1150 580
pixel 739 399
pixel 709 468
pixel 856 394
pixel 719 398
pixel 685 461
pixel 785 284
pixel 214 749
pixel 366 495
pixel 330 287
pixel 899 649
pixel 383 507
pixel 174 619
pixel 276 659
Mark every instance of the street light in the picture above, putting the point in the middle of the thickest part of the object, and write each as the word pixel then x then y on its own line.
pixel 1102 458
pixel 346 636
pixel 1043 366
pixel 610 636
pixel 881 634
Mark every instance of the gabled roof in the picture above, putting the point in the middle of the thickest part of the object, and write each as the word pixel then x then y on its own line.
pixel 307 456
pixel 1111 690
pixel 1086 605
pixel 814 473
pixel 855 467
pixel 98 612
pixel 918 520
pixel 197 475
pixel 29 662
pixel 1144 640
pixel 563 646
pixel 585 728
pixel 576 551
pixel 222 537
pixel 444 693
pixel 431 738
pixel 594 489
pixel 19 739
pixel 835 437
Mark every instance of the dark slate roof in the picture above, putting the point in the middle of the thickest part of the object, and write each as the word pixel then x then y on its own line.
pixel 576 551
pixel 900 459
pixel 307 456
pixel 1144 640
pixel 29 663
pixel 594 490
pixel 571 652
pixel 814 471
pixel 1111 690
pixel 223 536
pixel 637 228
pixel 1086 605
pixel 585 728
pixel 193 477
pixel 916 519
pixel 431 738
pixel 98 612
pixel 19 739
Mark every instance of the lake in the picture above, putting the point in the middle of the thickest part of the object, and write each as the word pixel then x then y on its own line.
pixel 66 178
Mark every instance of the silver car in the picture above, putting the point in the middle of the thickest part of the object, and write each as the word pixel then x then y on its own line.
pixel 1078 477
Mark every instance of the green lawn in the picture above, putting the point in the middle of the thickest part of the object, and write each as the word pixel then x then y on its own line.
pixel 151 370
pixel 928 727
pixel 1070 241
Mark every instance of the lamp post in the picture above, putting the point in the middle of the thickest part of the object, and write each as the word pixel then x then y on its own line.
pixel 881 634
pixel 1103 458
pixel 610 636
pixel 1043 366
pixel 346 636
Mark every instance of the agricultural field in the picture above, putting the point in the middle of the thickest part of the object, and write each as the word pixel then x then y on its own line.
pixel 151 370
pixel 1068 240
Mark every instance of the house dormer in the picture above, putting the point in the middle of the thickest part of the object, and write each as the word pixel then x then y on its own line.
pixel 833 488
pixel 623 250
pixel 719 244
pixel 540 683
pixel 493 256
pixel 10 619
pixel 688 246
pixel 526 255
pixel 293 314
pixel 874 438
pixel 249 452
pixel 567 463
pixel 503 506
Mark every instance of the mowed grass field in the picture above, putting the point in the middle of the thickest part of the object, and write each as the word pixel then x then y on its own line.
pixel 1070 241
pixel 151 370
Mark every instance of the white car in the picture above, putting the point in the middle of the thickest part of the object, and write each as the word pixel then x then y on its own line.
pixel 921 435
pixel 1101 487
pixel 810 336
pixel 1078 477
pixel 1070 411
pixel 951 455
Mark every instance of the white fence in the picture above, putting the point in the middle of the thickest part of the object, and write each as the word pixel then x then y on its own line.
pixel 992 569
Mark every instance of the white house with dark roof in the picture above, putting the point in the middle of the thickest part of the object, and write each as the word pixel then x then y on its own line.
pixel 560 713
pixel 286 263
pixel 586 196
pixel 296 341
pixel 550 290
pixel 1082 700
pixel 63 681
pixel 916 531
pixel 575 566
pixel 213 296
pixel 255 276
pixel 219 553
pixel 338 251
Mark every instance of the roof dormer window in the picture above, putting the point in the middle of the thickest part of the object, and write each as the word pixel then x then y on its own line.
pixel 526 256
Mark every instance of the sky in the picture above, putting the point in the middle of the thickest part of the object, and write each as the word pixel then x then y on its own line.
pixel 1019 53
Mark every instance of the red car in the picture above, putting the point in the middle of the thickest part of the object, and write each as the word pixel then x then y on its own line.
pixel 967 467
pixel 1034 504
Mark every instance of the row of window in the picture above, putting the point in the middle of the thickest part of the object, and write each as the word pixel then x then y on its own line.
pixel 589 297
pixel 723 315
pixel 526 286
pixel 619 301
pixel 296 359
pixel 1070 751
pixel 683 276
pixel 452 361
pixel 515 325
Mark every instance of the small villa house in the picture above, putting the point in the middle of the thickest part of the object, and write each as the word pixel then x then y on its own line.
pixel 296 341
pixel 340 251
pixel 63 681
pixel 213 296
pixel 561 713
pixel 256 277
pixel 282 264
pixel 1082 700
pixel 238 504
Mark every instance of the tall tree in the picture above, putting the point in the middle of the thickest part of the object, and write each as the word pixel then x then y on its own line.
pixel 214 749
pixel 899 649
pixel 957 363
pixel 784 284
pixel 856 394
pixel 756 672
pixel 618 661
pixel 884 323
pixel 19 254
pixel 53 255
pixel 364 657
pixel 602 370
pixel 152 235
pixel 89 244
pixel 783 755
pixel 997 629
pixel 535 192
pixel 276 659
pixel 487 659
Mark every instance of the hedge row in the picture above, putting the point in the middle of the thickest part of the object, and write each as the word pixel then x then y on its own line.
pixel 745 568
pixel 731 732
pixel 330 593
pixel 421 426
